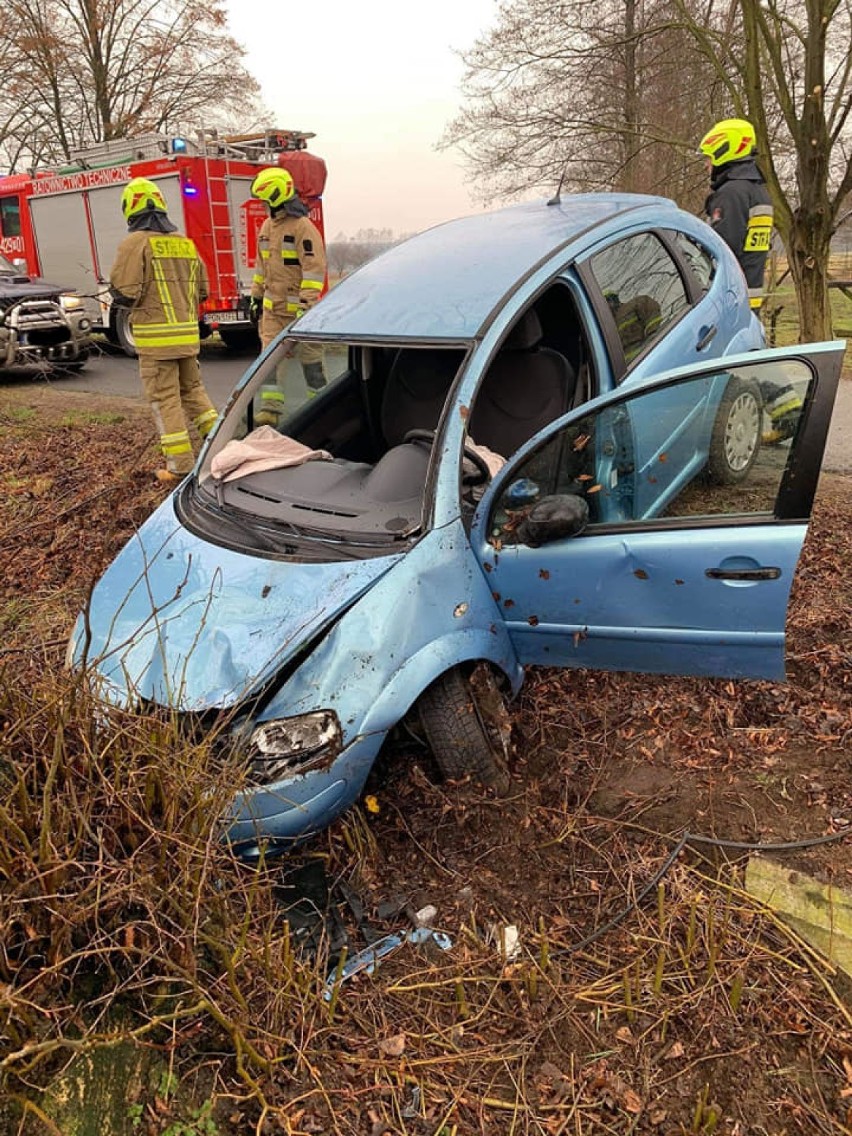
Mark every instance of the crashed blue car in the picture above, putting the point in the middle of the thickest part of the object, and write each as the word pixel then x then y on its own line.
pixel 544 439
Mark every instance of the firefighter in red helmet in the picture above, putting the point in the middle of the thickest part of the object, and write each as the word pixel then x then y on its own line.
pixel 160 276
pixel 289 279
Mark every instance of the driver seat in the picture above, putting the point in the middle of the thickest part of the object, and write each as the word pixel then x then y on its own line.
pixel 415 391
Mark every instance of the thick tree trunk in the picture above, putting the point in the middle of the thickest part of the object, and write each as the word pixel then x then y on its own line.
pixel 810 232
pixel 809 250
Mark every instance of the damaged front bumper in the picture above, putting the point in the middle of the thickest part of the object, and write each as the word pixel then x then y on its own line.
pixel 270 818
pixel 41 331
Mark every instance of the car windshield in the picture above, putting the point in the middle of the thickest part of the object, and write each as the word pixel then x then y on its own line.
pixel 331 442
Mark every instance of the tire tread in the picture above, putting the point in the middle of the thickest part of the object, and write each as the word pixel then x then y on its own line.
pixel 455 733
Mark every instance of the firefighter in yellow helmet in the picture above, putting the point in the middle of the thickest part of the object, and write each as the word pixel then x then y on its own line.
pixel 739 208
pixel 288 279
pixel 160 276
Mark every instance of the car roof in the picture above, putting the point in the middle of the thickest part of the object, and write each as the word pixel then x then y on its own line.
pixel 447 282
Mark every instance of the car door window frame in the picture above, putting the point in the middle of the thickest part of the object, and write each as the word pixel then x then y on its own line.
pixel 695 289
pixel 620 366
pixel 797 487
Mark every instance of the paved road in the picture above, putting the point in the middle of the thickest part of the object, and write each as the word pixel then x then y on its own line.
pixel 838 452
pixel 114 374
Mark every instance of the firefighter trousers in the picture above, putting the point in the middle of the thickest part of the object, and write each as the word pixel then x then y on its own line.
pixel 310 355
pixel 177 396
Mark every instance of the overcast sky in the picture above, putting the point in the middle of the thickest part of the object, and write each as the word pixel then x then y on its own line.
pixel 376 81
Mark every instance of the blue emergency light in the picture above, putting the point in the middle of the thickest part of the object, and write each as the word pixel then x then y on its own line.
pixel 178 145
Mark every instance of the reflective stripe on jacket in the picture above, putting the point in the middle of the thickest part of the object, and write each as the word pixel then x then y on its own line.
pixel 165 279
pixel 290 269
pixel 740 210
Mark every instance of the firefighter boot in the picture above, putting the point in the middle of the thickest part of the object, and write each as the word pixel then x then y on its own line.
pixel 314 377
pixel 168 477
pixel 267 417
pixel 784 406
pixel 271 406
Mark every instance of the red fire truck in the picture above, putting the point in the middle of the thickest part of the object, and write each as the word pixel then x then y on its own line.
pixel 66 223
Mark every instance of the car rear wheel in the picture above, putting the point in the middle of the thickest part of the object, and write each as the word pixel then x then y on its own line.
pixel 735 442
pixel 467 725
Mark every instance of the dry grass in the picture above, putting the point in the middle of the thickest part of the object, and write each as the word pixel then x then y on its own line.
pixel 124 917
pixel 124 920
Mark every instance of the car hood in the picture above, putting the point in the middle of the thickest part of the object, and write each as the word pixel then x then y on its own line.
pixel 189 624
pixel 26 288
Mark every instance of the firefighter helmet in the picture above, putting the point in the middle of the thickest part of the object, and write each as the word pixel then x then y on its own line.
pixel 728 141
pixel 274 185
pixel 139 196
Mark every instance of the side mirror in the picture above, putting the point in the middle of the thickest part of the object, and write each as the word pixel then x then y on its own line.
pixel 554 518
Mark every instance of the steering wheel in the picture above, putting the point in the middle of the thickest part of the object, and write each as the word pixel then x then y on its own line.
pixel 483 473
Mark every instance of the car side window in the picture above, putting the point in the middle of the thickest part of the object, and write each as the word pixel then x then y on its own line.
pixel 643 288
pixel 700 261
pixel 712 447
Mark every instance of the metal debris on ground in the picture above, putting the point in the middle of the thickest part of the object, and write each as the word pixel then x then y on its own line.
pixel 507 939
pixel 366 961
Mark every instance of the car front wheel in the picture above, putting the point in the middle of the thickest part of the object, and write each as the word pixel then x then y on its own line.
pixel 467 725
pixel 735 441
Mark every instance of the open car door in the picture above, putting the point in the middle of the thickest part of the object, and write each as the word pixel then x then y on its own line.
pixel 616 539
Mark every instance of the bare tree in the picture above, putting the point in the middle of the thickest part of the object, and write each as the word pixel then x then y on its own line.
pixel 616 94
pixel 82 71
pixel 599 93
pixel 792 77
pixel 345 254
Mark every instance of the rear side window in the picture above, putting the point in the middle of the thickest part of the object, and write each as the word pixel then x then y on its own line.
pixel 643 288
pixel 698 258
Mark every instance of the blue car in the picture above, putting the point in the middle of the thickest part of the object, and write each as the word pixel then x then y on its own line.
pixel 544 439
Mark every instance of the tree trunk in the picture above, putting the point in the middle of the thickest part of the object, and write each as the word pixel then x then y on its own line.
pixel 808 252
pixel 631 98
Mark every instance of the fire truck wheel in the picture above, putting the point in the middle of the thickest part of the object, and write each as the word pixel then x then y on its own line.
pixel 121 333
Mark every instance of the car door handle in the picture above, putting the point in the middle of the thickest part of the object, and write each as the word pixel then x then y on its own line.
pixel 743 573
pixel 708 334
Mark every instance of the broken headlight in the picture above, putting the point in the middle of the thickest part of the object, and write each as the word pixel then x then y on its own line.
pixel 286 746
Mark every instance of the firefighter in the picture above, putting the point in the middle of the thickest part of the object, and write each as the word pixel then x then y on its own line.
pixel 288 279
pixel 160 276
pixel 637 320
pixel 740 210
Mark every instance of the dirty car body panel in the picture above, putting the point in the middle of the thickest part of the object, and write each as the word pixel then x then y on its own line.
pixel 312 606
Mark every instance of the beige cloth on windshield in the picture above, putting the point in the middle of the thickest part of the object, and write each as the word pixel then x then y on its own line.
pixel 494 461
pixel 263 448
